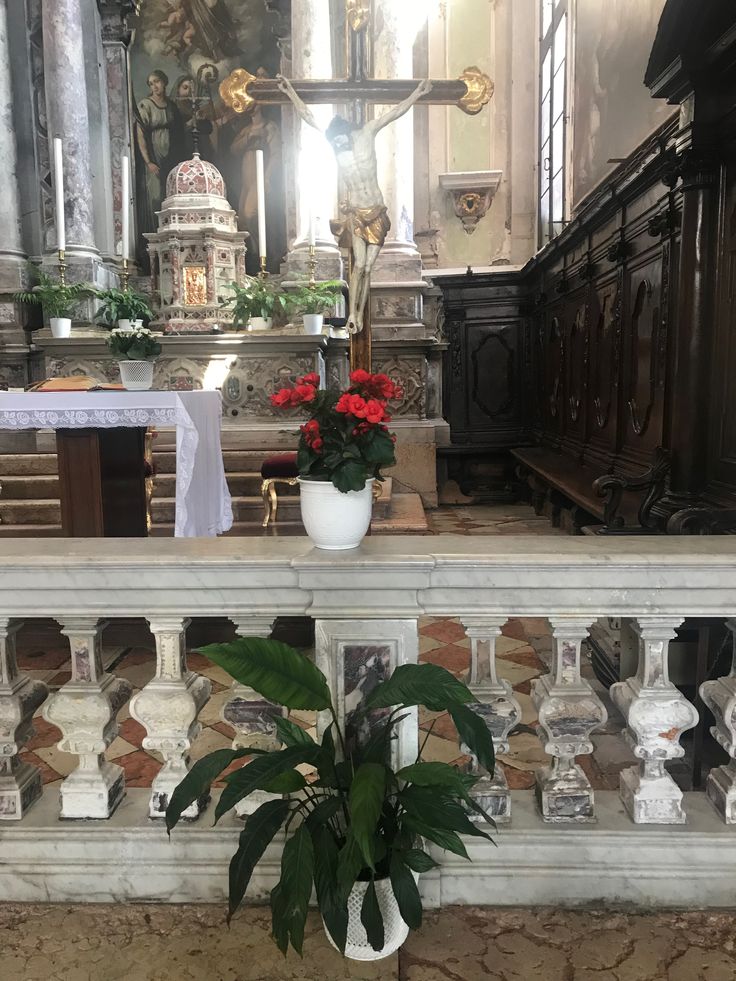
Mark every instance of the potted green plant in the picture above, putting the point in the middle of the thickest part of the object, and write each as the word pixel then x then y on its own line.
pixel 355 832
pixel 342 449
pixel 312 300
pixel 136 349
pixel 58 300
pixel 122 307
pixel 255 303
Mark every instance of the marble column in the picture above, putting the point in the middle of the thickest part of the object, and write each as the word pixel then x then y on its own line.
pixel 497 706
pixel 168 708
pixel 395 28
pixel 252 716
pixel 720 697
pixel 85 710
pixel 315 165
pixel 569 711
pixel 65 87
pixel 20 696
pixel 12 254
pixel 656 716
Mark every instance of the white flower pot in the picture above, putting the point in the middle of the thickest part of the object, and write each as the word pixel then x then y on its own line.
pixel 334 520
pixel 125 324
pixel 260 323
pixel 313 322
pixel 60 326
pixel 137 323
pixel 395 931
pixel 136 376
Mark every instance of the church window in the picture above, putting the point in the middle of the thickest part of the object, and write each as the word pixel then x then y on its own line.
pixel 554 22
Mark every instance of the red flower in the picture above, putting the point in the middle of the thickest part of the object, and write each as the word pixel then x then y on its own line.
pixel 351 404
pixel 360 377
pixel 311 379
pixel 374 411
pixel 302 393
pixel 317 444
pixel 281 398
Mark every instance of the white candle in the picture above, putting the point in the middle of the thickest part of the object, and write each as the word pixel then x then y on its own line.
pixel 125 209
pixel 261 186
pixel 59 193
pixel 312 229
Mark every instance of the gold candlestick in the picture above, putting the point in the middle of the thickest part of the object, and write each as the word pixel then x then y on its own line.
pixel 125 275
pixel 264 272
pixel 62 267
pixel 312 262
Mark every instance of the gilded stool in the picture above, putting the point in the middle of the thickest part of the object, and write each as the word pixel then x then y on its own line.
pixel 280 469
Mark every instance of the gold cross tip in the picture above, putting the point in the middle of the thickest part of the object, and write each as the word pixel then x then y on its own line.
pixel 480 89
pixel 358 14
pixel 234 90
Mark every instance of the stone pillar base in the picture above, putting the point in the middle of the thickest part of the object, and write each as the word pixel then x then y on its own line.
pixel 163 787
pixel 651 800
pixel 721 792
pixel 19 791
pixel 494 796
pixel 565 798
pixel 92 794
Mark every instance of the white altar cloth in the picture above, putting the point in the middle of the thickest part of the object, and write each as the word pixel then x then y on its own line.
pixel 203 505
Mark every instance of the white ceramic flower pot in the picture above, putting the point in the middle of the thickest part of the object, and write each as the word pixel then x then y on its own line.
pixel 137 323
pixel 136 376
pixel 313 322
pixel 334 520
pixel 125 324
pixel 260 323
pixel 60 326
pixel 395 931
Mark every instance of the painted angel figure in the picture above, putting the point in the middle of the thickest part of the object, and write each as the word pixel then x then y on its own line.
pixel 365 211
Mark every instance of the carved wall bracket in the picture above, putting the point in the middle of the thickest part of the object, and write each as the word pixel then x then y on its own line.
pixel 472 194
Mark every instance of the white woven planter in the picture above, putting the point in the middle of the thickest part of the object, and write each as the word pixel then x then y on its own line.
pixel 313 322
pixel 136 376
pixel 334 520
pixel 60 326
pixel 395 931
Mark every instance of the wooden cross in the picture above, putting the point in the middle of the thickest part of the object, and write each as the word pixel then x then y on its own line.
pixel 471 92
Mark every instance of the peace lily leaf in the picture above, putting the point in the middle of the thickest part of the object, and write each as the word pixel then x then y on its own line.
pixel 349 864
pixel 366 801
pixel 406 892
pixel 259 774
pixel 371 918
pixel 332 904
pixel 419 684
pixel 260 828
pixel 297 873
pixel 286 783
pixel 279 926
pixel 449 840
pixel 291 734
pixel 322 812
pixel 473 731
pixel 197 782
pixel 275 670
pixel 449 778
pixel 419 860
pixel 429 805
pixel 377 748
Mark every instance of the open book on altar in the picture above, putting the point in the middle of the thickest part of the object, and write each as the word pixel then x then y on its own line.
pixel 75 383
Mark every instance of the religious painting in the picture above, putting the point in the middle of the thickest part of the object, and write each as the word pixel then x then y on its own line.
pixel 184 48
pixel 613 109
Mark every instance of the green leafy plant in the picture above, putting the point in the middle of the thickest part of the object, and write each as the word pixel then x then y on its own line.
pixel 256 298
pixel 56 299
pixel 138 344
pixel 346 439
pixel 358 820
pixel 316 297
pixel 122 305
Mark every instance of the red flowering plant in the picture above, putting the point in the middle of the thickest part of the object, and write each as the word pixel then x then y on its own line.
pixel 346 439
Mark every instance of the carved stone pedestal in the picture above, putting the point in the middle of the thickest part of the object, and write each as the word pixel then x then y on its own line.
pixel 20 696
pixel 252 716
pixel 656 714
pixel 85 710
pixel 720 697
pixel 569 711
pixel 168 708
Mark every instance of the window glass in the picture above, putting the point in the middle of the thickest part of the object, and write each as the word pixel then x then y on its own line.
pixel 552 117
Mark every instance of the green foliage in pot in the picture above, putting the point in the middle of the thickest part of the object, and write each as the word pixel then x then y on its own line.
pixel 138 344
pixel 56 299
pixel 256 298
pixel 122 305
pixel 317 297
pixel 359 819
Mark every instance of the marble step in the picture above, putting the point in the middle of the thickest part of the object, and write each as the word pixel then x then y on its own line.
pixel 30 512
pixel 236 461
pixel 30 487
pixel 242 529
pixel 27 464
pixel 248 509
pixel 30 531
pixel 240 484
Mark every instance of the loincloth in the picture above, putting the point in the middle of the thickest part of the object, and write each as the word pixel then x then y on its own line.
pixel 370 224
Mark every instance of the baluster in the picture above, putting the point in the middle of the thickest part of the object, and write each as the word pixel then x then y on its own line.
pixel 85 710
pixel 498 708
pixel 656 716
pixel 20 696
pixel 252 716
pixel 720 697
pixel 569 711
pixel 168 708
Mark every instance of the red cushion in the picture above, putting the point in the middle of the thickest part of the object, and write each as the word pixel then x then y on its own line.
pixel 283 465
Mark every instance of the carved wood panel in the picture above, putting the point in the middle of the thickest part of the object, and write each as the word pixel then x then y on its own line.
pixel 605 353
pixel 576 369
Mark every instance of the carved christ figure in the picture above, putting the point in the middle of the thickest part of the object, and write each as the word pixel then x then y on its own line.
pixel 365 210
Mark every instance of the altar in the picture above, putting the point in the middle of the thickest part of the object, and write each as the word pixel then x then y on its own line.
pixel 101 456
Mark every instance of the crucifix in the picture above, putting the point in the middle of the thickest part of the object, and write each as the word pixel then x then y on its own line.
pixel 365 221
